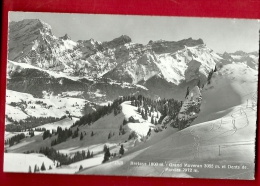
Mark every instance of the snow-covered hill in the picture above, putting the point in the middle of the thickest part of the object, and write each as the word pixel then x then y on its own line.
pixel 226 142
pixel 232 85
pixel 109 124
pixel 101 129
pixel 220 142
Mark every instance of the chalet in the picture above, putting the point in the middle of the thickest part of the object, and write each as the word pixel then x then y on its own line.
pixel 133 119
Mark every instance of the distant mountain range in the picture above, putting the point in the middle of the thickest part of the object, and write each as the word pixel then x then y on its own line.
pixel 41 62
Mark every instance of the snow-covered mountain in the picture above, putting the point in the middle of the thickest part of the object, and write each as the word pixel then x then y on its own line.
pixel 159 63
pixel 41 64
pixel 250 59
pixel 173 61
pixel 32 42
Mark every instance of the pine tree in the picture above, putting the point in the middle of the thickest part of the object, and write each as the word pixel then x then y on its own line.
pixel 80 167
pixel 109 135
pixel 30 170
pixel 122 150
pixel 145 114
pixel 81 136
pixel 88 154
pixel 115 112
pixel 142 113
pixel 149 132
pixel 124 122
pixel 92 134
pixel 105 148
pixel 152 120
pixel 35 168
pixel 43 167
pixel 106 155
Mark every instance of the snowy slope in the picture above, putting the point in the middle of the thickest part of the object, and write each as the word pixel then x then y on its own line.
pixel 101 129
pixel 227 139
pixel 74 167
pixel 230 86
pixel 141 127
pixel 197 145
pixel 65 123
pixel 16 162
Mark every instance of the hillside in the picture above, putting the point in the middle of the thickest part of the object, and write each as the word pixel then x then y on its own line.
pixel 228 139
pixel 95 143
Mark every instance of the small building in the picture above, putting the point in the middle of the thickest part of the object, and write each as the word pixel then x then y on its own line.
pixel 132 119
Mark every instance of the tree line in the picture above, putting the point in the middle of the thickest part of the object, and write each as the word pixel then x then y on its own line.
pixel 15 139
pixel 63 159
pixel 108 155
pixel 90 118
pixel 30 122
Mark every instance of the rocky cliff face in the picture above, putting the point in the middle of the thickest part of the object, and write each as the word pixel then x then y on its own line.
pixel 190 109
pixel 187 111
pixel 191 105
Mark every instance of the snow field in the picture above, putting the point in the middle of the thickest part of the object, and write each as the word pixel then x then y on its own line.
pixel 18 162
pixel 53 106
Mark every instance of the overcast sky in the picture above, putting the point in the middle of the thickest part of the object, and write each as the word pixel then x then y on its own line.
pixel 219 34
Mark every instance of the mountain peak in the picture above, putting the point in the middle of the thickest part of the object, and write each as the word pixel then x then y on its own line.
pixel 241 53
pixel 29 24
pixel 162 46
pixel 65 37
pixel 118 41
pixel 190 42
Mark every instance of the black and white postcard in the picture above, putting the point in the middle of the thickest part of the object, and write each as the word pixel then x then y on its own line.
pixel 125 95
